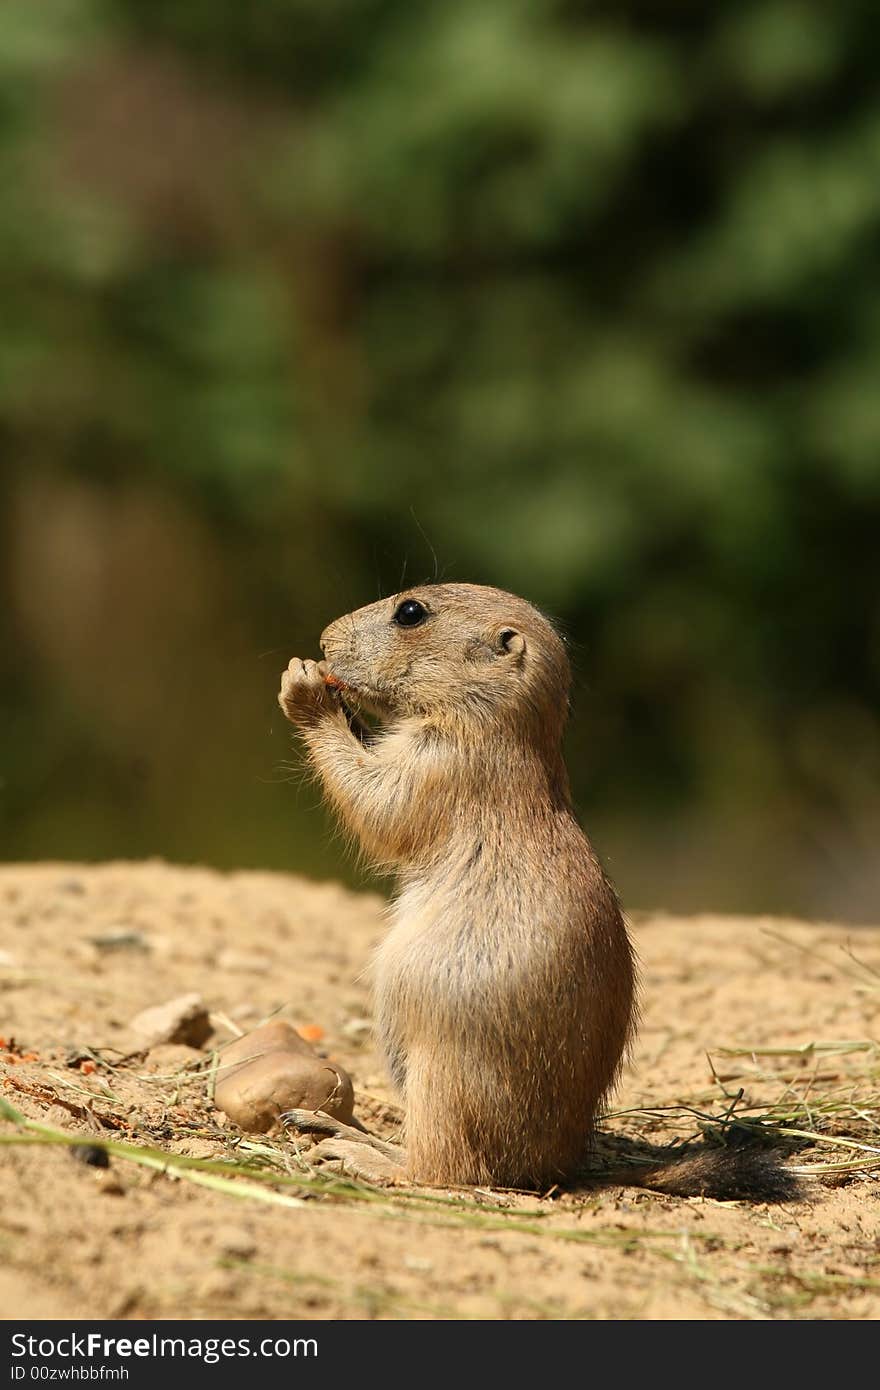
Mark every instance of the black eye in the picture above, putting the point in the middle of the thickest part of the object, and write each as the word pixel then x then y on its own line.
pixel 410 613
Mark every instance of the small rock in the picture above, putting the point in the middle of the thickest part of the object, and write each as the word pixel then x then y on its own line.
pixel 169 1059
pixel 217 1287
pixel 121 940
pixel 240 961
pixel 182 1020
pixel 242 1013
pixel 73 1056
pixel 272 1070
pixel 71 885
pixel 93 1155
pixel 111 1186
pixel 234 1240
pixel 357 1028
pixel 199 1148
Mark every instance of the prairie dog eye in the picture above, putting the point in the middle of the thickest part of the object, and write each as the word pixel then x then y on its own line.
pixel 410 613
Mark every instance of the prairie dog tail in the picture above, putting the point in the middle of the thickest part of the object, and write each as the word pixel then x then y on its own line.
pixel 725 1174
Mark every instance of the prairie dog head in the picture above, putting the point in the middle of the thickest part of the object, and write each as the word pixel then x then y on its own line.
pixel 453 652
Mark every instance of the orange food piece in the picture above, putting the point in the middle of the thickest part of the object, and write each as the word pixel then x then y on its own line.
pixel 312 1032
pixel 87 1068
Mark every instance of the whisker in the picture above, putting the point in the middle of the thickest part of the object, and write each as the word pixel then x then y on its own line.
pixel 427 542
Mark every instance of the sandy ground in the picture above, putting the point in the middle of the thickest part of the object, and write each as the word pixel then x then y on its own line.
pixel 84 948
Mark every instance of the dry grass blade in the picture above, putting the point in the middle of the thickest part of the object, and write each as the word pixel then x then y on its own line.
pixel 803 1049
pixel 188 1170
pixel 863 974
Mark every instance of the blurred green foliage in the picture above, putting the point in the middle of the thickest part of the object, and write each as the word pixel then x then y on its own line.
pixel 582 297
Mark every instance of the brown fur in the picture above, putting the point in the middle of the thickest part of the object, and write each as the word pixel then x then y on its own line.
pixel 505 987
pixel 725 1174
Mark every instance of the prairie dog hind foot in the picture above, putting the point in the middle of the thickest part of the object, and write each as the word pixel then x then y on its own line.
pixel 362 1161
pixel 362 1155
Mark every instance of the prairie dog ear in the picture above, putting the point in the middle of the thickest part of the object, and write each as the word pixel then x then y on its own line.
pixel 509 642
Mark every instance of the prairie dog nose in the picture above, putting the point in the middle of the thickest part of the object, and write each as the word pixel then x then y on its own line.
pixel 331 632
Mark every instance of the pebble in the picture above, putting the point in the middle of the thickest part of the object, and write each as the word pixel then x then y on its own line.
pixel 242 1013
pixel 248 963
pixel 234 1240
pixel 71 885
pixel 170 1058
pixel 181 1020
pixel 357 1028
pixel 272 1070
pixel 93 1155
pixel 122 939
pixel 110 1185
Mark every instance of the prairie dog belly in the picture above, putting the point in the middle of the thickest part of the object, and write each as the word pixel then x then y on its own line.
pixel 482 985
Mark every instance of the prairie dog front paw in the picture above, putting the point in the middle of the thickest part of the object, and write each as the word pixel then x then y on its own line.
pixel 303 695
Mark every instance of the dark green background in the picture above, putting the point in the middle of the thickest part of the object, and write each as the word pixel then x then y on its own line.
pixel 581 298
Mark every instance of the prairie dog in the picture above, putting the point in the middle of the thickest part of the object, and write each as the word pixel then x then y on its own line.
pixel 504 990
